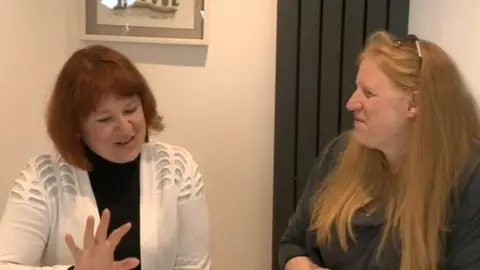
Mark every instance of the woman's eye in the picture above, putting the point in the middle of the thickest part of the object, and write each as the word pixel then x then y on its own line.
pixel 368 93
pixel 104 119
pixel 132 110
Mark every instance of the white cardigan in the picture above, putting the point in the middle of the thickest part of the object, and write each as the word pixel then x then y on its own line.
pixel 50 198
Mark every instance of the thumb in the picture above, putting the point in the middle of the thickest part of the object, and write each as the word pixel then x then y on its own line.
pixel 126 264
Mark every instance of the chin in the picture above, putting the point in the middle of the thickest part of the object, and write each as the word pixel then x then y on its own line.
pixel 130 157
pixel 363 139
pixel 128 153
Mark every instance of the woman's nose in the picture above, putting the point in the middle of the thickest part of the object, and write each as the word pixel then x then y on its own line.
pixel 124 124
pixel 354 102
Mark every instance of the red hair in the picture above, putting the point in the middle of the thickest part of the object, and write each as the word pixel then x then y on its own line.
pixel 89 75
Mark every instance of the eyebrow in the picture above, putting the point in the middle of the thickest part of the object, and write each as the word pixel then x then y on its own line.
pixel 362 85
pixel 366 86
pixel 129 104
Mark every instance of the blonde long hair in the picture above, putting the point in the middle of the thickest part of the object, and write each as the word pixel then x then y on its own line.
pixel 416 197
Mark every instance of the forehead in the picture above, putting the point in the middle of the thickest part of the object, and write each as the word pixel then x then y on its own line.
pixel 371 76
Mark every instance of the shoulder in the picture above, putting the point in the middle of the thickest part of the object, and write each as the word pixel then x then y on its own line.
pixel 327 159
pixel 325 163
pixel 464 215
pixel 37 180
pixel 338 144
pixel 465 205
pixel 174 166
pixel 158 150
pixel 469 182
pixel 43 167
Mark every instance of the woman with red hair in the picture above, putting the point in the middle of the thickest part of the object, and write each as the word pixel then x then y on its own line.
pixel 108 197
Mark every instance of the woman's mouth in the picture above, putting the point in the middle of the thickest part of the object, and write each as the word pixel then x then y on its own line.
pixel 125 142
pixel 358 120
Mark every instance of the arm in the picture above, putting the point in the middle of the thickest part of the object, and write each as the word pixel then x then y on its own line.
pixel 293 253
pixel 25 223
pixel 193 235
pixel 464 240
pixel 292 250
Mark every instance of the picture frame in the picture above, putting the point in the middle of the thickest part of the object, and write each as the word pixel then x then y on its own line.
pixel 144 21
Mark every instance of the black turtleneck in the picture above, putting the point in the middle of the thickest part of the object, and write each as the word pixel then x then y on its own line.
pixel 117 187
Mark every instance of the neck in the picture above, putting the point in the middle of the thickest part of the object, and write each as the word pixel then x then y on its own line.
pixel 394 156
pixel 112 181
pixel 100 164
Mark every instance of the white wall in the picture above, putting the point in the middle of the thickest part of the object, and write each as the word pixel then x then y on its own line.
pixel 219 103
pixel 454 26
pixel 33 46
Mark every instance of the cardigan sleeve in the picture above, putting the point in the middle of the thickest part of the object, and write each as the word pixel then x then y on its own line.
pixel 25 223
pixel 193 251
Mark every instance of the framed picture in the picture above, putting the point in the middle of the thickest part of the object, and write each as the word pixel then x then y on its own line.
pixel 144 21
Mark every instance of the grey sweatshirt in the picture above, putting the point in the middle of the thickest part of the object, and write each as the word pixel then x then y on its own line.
pixel 462 250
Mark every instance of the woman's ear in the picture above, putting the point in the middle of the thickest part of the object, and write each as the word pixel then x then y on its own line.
pixel 413 104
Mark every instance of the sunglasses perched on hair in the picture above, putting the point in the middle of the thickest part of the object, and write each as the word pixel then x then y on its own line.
pixel 411 39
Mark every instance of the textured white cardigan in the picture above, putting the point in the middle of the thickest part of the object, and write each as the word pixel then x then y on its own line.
pixel 50 198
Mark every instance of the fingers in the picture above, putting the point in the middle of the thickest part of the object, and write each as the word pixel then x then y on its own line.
pixel 128 263
pixel 74 250
pixel 102 229
pixel 118 234
pixel 88 238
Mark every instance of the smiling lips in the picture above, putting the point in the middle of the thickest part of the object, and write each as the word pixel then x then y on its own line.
pixel 358 119
pixel 127 141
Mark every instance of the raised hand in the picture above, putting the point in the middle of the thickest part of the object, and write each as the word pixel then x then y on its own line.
pixel 98 249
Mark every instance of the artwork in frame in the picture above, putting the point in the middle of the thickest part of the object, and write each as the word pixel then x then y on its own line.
pixel 144 21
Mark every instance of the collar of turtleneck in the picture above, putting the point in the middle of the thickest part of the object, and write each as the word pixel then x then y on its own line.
pixel 106 166
pixel 110 179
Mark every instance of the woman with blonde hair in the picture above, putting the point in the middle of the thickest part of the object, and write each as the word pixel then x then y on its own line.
pixel 398 191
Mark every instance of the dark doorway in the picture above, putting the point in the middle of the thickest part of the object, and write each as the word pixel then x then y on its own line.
pixel 318 42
